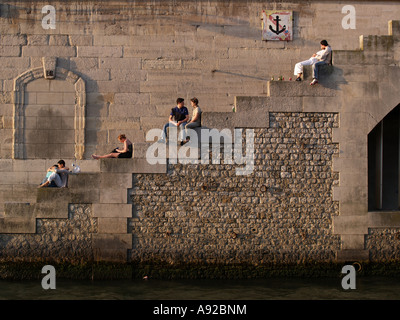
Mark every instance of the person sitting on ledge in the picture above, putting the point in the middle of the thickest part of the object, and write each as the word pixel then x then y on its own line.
pixel 177 118
pixel 126 152
pixel 196 118
pixel 63 173
pixel 324 56
pixel 52 179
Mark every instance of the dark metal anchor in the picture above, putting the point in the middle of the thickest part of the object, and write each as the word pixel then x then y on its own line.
pixel 277 31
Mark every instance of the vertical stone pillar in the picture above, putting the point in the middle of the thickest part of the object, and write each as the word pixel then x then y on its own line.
pixel 80 118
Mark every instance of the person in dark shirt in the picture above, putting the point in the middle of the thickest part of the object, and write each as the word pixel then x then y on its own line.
pixel 126 152
pixel 178 117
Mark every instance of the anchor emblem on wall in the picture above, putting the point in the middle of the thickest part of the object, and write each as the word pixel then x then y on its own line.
pixel 277 25
pixel 277 31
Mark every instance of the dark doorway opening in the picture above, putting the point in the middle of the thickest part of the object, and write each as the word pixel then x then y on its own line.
pixel 383 163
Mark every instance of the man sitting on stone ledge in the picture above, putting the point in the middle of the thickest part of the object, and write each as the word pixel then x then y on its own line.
pixel 63 172
pixel 179 117
pixel 324 56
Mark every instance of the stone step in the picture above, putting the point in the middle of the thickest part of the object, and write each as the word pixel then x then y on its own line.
pixel 70 195
pixel 111 225
pixel 362 57
pixel 104 180
pixel 18 210
pixel 299 89
pixel 84 180
pixel 18 193
pixel 376 43
pixel 394 29
pixel 270 104
pixel 130 166
pixel 17 225
pixel 239 119
pixel 112 210
pixel 58 210
pixel 51 210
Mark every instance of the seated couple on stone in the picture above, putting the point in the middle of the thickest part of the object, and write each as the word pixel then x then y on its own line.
pixel 126 152
pixel 56 177
pixel 179 117
pixel 324 56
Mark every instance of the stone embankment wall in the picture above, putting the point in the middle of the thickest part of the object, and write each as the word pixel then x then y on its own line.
pixel 57 240
pixel 306 199
pixel 137 57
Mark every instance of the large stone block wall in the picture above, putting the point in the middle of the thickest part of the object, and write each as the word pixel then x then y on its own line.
pixel 137 58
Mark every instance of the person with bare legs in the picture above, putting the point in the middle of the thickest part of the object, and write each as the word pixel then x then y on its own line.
pixel 126 152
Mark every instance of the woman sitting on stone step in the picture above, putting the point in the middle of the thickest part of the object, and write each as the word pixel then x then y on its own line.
pixel 126 152
pixel 196 118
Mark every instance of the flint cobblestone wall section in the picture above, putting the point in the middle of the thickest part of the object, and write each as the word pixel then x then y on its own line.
pixel 56 240
pixel 383 244
pixel 205 213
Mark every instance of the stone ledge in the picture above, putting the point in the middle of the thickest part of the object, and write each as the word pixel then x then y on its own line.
pixel 270 104
pixel 232 120
pixel 376 43
pixel 18 210
pixel 384 219
pixel 130 166
pixel 353 242
pixel 394 29
pixel 70 195
pixel 360 57
pixel 17 225
pixel 57 210
pixel 112 210
pixel 350 225
pixel 83 180
pixel 298 89
pixel 112 225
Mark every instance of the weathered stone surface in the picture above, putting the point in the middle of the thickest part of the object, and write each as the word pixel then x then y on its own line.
pixel 130 165
pixel 134 68
pixel 112 210
pixel 298 89
pixel 58 240
pixel 353 255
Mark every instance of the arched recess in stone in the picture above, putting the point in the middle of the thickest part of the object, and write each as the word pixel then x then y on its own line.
pixel 20 84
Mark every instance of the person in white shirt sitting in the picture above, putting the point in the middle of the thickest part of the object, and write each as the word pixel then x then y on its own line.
pixel 324 56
